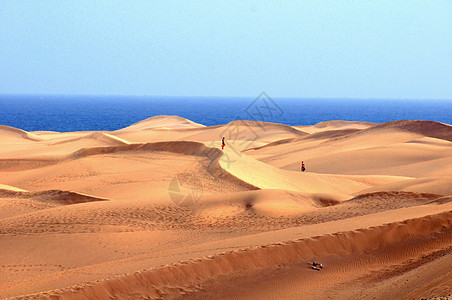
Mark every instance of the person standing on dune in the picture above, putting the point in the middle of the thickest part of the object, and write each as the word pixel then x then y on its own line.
pixel 302 167
pixel 222 144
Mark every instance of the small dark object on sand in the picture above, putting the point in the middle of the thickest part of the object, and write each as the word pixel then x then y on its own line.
pixel 316 266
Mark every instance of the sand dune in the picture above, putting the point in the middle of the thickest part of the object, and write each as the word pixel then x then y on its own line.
pixel 265 176
pixel 7 132
pixel 373 243
pixel 136 170
pixel 162 122
pixel 426 128
pixel 335 125
pixel 157 210
pixel 259 131
pixel 239 134
pixel 381 149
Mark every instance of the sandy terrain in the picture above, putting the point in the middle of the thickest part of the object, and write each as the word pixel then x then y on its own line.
pixel 157 210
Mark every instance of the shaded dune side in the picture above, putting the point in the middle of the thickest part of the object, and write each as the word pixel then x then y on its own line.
pixel 441 185
pixel 265 125
pixel 272 144
pixel 262 203
pixel 20 164
pixel 97 136
pixel 426 128
pixel 53 196
pixel 442 200
pixel 329 134
pixel 340 123
pixel 396 195
pixel 172 280
pixel 181 147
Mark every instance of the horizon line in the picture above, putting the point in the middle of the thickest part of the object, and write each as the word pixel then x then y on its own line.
pixel 220 97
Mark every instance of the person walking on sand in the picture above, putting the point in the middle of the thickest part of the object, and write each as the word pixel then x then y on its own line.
pixel 302 167
pixel 222 144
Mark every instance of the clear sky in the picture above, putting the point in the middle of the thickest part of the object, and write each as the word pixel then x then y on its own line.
pixel 361 49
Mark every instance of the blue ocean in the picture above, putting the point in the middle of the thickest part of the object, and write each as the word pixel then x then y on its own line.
pixel 80 113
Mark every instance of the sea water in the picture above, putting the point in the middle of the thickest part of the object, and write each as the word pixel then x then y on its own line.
pixel 83 113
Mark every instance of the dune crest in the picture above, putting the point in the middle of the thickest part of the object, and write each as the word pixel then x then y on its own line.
pixel 11 132
pixel 53 196
pixel 10 188
pixel 166 122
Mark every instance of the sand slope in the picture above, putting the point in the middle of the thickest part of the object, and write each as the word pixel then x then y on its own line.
pixel 394 148
pixel 157 210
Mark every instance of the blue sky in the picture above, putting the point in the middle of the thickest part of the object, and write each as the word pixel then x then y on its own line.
pixel 360 49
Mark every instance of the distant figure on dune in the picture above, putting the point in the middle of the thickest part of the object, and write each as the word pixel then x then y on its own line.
pixel 222 144
pixel 302 167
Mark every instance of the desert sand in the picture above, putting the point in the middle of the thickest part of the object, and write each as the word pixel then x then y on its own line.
pixel 157 210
